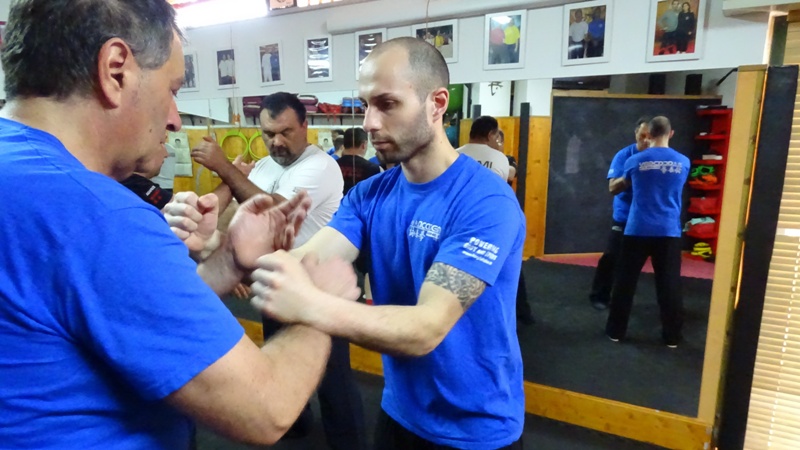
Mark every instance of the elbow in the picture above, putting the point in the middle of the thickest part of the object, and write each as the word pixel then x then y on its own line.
pixel 267 434
pixel 424 345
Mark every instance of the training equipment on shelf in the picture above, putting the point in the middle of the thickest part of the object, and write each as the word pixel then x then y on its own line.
pixel 703 205
pixel 352 105
pixel 310 102
pixel 702 250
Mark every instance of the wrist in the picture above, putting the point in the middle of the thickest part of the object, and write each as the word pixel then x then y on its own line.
pixel 232 261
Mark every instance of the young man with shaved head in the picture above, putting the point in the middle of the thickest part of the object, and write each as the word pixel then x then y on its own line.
pixel 444 241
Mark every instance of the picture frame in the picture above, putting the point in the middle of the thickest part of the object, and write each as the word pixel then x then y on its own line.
pixel 442 34
pixel 270 61
pixel 591 20
pixel 500 28
pixel 365 42
pixel 191 72
pixel 318 59
pixel 686 41
pixel 226 68
pixel 281 4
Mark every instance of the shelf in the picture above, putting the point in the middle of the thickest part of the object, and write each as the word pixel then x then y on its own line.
pixel 714 111
pixel 711 137
pixel 713 212
pixel 716 187
pixel 708 162
pixel 701 235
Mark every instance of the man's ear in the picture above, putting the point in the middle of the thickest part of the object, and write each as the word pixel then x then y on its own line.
pixel 115 71
pixel 441 99
pixel 671 133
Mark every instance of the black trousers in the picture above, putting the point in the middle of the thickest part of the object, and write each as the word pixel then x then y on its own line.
pixel 339 400
pixel 606 266
pixel 390 435
pixel 666 256
pixel 523 307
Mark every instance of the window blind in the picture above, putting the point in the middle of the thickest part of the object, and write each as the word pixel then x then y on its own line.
pixel 774 414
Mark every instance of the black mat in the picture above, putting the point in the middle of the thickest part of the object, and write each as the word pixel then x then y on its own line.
pixel 567 347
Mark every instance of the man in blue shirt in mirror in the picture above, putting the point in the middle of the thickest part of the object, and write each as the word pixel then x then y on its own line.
pixel 600 295
pixel 444 238
pixel 657 177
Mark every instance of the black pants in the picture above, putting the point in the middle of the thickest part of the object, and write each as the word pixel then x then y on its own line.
pixel 682 39
pixel 606 266
pixel 667 41
pixel 390 435
pixel 339 400
pixel 523 307
pixel 596 48
pixel 666 256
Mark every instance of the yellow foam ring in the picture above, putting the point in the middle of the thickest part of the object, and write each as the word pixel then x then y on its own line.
pixel 234 147
pixel 256 147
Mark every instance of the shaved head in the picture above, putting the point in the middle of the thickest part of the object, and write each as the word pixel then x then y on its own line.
pixel 426 69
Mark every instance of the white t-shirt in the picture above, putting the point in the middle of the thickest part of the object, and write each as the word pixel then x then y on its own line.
pixel 490 158
pixel 316 173
pixel 578 30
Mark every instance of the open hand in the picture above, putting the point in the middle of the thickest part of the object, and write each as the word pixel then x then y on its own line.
pixel 210 154
pixel 259 227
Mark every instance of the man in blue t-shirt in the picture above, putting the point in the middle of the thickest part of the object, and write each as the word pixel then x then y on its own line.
pixel 653 230
pixel 443 236
pixel 597 33
pixel 600 295
pixel 112 337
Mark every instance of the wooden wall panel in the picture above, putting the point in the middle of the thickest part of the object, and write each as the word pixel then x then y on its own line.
pixel 536 193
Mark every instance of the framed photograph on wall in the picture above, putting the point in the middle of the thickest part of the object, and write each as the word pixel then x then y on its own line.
pixel 281 4
pixel 319 59
pixel 190 72
pixel 503 43
pixel 226 68
pixel 675 30
pixel 365 42
pixel 443 35
pixel 270 59
pixel 587 33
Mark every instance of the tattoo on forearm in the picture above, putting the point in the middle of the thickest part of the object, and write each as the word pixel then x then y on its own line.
pixel 466 287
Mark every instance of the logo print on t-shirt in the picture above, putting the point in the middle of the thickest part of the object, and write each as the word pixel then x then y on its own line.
pixel 420 230
pixel 663 166
pixel 483 251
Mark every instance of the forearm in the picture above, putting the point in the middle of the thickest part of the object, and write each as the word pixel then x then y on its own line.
pixel 239 186
pixel 296 359
pixel 617 185
pixel 220 270
pixel 398 330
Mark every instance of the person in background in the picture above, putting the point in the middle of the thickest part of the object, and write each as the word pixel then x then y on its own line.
pixel 112 337
pixel 687 24
pixel 668 22
pixel 600 295
pixel 657 177
pixel 338 144
pixel 578 34
pixel 511 39
pixel 294 166
pixel 337 133
pixel 483 132
pixel 597 33
pixel 354 167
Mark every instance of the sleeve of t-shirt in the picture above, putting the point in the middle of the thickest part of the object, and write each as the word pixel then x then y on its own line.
pixel 482 237
pixel 321 178
pixel 133 300
pixel 617 168
pixel 630 166
pixel 348 219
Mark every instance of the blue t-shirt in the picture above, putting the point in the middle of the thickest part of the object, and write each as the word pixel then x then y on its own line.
pixel 102 314
pixel 657 176
pixel 467 393
pixel 374 160
pixel 622 201
pixel 597 29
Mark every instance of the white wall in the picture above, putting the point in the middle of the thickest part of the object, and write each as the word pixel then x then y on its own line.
pixel 730 42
